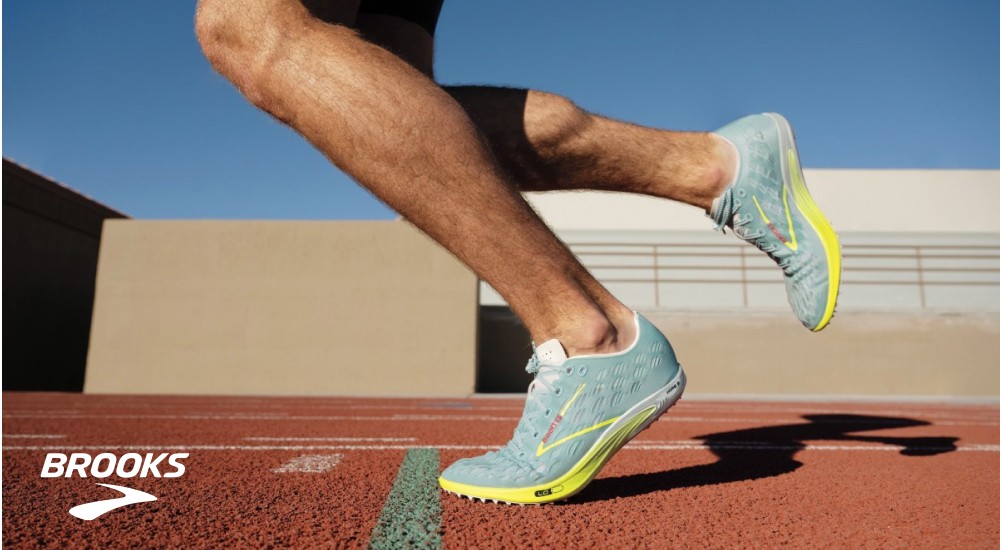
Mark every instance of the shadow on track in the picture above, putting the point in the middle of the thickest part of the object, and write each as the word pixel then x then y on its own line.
pixel 757 453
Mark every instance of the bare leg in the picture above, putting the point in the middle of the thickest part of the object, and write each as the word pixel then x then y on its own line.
pixel 547 143
pixel 405 139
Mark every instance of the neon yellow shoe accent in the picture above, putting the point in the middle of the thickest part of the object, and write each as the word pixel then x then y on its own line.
pixel 568 484
pixel 542 449
pixel 791 242
pixel 831 244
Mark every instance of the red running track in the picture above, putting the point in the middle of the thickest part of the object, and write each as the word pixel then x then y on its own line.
pixel 708 474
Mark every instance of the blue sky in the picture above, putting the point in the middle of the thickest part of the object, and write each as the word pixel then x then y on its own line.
pixel 115 99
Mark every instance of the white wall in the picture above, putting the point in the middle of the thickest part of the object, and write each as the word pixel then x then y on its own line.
pixel 853 200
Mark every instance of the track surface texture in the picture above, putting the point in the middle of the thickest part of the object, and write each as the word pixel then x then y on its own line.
pixel 355 473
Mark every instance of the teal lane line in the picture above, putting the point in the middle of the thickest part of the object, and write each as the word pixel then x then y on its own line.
pixel 411 516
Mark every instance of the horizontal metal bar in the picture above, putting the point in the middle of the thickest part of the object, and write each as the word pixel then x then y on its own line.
pixel 926 257
pixel 661 245
pixel 735 254
pixel 772 268
pixel 845 246
pixel 763 281
pixel 929 246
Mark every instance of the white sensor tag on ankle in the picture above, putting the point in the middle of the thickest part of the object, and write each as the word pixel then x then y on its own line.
pixel 551 353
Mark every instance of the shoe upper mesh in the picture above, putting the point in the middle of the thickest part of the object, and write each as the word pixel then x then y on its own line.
pixel 605 389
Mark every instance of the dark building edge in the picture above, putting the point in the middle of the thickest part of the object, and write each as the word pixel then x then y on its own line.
pixel 51 239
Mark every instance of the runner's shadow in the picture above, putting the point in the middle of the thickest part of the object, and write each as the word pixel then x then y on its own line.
pixel 769 451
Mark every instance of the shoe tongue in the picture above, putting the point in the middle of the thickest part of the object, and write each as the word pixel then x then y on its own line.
pixel 714 211
pixel 551 353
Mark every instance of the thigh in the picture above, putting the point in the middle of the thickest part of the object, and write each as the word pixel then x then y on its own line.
pixel 404 27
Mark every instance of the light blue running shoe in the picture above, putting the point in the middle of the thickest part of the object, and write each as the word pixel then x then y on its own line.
pixel 579 412
pixel 769 206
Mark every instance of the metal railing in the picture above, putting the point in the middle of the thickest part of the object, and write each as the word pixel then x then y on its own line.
pixel 971 271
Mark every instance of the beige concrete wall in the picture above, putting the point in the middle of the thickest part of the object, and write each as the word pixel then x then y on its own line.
pixel 280 308
pixel 858 354
pixel 375 308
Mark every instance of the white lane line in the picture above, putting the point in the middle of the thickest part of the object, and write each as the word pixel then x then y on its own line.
pixel 257 407
pixel 637 446
pixel 960 412
pixel 765 446
pixel 986 413
pixel 190 417
pixel 246 447
pixel 962 423
pixel 34 436
pixel 344 439
pixel 424 418
pixel 751 446
pixel 310 464
pixel 420 418
pixel 939 419
pixel 396 418
pixel 51 412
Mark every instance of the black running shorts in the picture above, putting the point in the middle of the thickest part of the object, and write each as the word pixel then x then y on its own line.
pixel 422 12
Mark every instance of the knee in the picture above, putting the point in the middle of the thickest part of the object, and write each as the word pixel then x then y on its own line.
pixel 242 39
pixel 217 26
pixel 248 41
pixel 551 120
pixel 222 29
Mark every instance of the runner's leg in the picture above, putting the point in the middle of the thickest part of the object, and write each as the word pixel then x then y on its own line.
pixel 400 135
pixel 545 142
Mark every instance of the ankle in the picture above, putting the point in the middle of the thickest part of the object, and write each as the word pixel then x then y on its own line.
pixel 723 170
pixel 598 334
pixel 587 336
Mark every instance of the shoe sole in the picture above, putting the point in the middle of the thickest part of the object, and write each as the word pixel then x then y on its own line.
pixel 635 420
pixel 792 172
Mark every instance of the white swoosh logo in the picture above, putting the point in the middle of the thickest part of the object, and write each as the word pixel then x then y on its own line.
pixel 93 510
